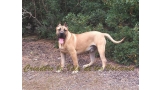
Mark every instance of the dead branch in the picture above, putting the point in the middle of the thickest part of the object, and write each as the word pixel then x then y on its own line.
pixel 44 6
pixel 26 12
pixel 34 8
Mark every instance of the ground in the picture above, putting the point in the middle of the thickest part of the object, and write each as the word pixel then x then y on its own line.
pixel 41 58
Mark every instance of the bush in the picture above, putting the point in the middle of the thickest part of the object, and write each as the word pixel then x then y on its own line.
pixel 127 52
pixel 122 13
pixel 77 23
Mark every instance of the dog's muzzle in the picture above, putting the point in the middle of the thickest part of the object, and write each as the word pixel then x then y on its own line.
pixel 61 37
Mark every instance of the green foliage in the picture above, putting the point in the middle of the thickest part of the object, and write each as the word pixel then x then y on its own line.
pixel 127 52
pixel 96 17
pixel 123 13
pixel 77 23
pixel 119 18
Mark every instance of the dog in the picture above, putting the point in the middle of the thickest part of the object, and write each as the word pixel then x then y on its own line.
pixel 78 43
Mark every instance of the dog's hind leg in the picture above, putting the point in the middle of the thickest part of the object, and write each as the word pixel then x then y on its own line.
pixel 101 50
pixel 92 58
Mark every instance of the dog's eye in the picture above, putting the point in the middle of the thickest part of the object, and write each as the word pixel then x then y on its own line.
pixel 65 30
pixel 59 29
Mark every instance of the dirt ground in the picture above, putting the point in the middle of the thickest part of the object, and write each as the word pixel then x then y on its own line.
pixel 40 60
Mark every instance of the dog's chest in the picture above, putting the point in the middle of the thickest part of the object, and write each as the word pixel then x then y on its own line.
pixel 63 49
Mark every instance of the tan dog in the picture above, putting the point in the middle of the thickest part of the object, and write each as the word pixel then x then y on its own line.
pixel 79 43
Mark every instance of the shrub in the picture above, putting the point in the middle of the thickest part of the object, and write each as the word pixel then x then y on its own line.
pixel 122 13
pixel 77 23
pixel 128 51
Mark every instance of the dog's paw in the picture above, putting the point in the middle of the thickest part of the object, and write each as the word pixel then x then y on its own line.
pixel 101 69
pixel 74 72
pixel 58 71
pixel 85 66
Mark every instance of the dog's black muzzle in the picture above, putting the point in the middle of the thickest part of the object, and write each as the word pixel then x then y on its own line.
pixel 62 35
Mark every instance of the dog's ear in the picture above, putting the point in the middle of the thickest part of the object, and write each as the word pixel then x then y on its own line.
pixel 59 24
pixel 65 24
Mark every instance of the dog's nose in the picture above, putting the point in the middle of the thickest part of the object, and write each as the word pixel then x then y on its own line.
pixel 61 34
pixel 61 31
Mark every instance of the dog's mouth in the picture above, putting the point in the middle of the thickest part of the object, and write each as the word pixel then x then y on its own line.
pixel 61 38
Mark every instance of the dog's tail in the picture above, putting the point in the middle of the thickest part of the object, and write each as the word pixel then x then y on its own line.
pixel 114 41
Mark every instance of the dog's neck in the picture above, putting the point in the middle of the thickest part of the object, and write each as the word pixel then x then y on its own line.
pixel 68 36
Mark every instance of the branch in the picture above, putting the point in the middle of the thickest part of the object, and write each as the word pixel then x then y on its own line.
pixel 44 6
pixel 26 12
pixel 34 8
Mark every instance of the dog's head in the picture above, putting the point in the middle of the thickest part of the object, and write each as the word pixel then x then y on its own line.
pixel 62 32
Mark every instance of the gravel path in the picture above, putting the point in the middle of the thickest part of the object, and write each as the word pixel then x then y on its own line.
pixel 39 53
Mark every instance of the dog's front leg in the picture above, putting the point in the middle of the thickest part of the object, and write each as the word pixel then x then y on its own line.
pixel 63 56
pixel 73 54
